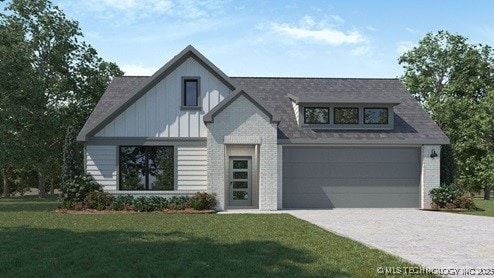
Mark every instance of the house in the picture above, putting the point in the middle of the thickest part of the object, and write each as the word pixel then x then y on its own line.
pixel 263 143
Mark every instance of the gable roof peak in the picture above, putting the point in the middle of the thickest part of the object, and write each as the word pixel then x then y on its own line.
pixel 209 117
pixel 139 91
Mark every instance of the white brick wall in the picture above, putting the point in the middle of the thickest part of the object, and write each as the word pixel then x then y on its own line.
pixel 280 177
pixel 243 118
pixel 430 173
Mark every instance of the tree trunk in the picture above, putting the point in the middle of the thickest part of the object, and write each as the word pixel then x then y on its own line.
pixel 487 192
pixel 6 183
pixel 41 182
pixel 52 187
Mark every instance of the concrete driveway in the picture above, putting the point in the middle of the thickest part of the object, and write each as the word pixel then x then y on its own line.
pixel 431 239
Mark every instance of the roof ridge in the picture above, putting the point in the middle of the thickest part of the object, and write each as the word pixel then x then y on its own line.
pixel 286 77
pixel 342 78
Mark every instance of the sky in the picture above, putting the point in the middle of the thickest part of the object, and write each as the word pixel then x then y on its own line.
pixel 304 38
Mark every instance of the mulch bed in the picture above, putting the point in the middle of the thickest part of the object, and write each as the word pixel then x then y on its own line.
pixel 167 211
pixel 447 210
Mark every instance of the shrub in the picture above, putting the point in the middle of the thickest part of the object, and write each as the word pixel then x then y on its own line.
pixel 77 189
pixel 450 197
pixel 66 204
pixel 445 194
pixel 464 202
pixel 98 200
pixel 203 201
pixel 141 204
pixel 157 203
pixel 122 202
pixel 178 203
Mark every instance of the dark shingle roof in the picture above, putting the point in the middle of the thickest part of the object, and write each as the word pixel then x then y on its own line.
pixel 412 125
pixel 118 90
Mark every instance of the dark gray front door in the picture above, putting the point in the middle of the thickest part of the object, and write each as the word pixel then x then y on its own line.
pixel 240 181
pixel 351 177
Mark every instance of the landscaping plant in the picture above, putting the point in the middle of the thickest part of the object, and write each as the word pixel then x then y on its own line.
pixel 450 197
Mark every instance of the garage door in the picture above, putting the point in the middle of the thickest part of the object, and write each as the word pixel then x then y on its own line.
pixel 351 177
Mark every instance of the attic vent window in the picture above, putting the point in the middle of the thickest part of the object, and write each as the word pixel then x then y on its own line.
pixel 190 93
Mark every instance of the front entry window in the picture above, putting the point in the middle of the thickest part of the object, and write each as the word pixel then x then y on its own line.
pixel 240 181
pixel 146 168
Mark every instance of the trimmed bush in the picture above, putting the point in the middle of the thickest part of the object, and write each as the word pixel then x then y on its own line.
pixel 445 194
pixel 151 203
pixel 203 201
pixel 178 203
pixel 75 191
pixel 122 202
pixel 141 204
pixel 157 202
pixel 98 200
pixel 450 197
pixel 464 202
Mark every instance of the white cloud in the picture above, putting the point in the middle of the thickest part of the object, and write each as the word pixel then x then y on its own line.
pixel 138 70
pixel 128 11
pixel 309 29
pixel 337 19
pixel 411 30
pixel 404 46
pixel 370 28
pixel 363 50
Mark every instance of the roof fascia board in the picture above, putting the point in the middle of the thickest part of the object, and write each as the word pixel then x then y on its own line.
pixel 364 141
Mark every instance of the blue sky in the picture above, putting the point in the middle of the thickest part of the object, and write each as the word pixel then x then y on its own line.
pixel 275 38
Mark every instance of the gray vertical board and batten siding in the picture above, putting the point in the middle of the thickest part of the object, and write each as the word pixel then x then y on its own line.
pixel 351 177
pixel 159 112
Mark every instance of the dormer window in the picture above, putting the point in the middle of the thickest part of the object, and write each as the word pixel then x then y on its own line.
pixel 346 115
pixel 319 111
pixel 376 116
pixel 316 115
pixel 190 92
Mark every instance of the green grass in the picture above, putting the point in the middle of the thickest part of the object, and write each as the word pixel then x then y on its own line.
pixel 37 242
pixel 487 205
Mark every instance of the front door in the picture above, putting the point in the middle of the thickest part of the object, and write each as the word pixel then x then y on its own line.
pixel 240 181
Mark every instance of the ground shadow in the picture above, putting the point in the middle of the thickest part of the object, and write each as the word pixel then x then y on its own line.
pixel 59 252
pixel 28 203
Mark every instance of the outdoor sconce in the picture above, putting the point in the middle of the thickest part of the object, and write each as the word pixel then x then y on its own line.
pixel 433 153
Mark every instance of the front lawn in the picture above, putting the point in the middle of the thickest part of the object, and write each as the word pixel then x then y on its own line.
pixel 37 242
pixel 487 205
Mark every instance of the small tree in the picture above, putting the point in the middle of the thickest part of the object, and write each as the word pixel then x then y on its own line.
pixel 71 157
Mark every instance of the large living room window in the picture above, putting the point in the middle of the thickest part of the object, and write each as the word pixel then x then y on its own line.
pixel 377 116
pixel 346 115
pixel 146 168
pixel 316 115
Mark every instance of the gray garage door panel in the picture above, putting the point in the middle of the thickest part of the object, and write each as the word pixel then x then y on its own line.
pixel 356 169
pixel 324 177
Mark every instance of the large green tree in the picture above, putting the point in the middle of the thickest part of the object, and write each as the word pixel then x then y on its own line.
pixel 454 81
pixel 66 78
pixel 15 73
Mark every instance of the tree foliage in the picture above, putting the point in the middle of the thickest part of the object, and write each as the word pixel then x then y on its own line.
pixel 57 80
pixel 454 81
